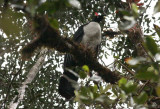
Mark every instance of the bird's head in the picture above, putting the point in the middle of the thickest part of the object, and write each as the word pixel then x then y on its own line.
pixel 98 18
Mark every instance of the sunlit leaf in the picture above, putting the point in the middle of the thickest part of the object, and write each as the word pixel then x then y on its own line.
pixel 109 86
pixel 77 96
pixel 135 9
pixel 83 73
pixel 122 81
pixel 123 96
pixel 101 98
pixel 104 99
pixel 85 68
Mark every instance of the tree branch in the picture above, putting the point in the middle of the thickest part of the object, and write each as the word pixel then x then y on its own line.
pixel 31 75
pixel 125 67
pixel 111 33
pixel 49 37
pixel 10 84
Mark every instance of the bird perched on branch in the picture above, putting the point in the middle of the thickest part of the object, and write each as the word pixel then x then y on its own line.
pixel 89 36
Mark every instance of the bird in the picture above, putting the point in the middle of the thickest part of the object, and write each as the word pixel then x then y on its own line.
pixel 88 35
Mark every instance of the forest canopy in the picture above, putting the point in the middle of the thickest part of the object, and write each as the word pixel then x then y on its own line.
pixel 36 34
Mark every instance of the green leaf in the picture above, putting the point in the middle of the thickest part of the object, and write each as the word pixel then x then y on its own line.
pixel 123 97
pixel 105 100
pixel 93 88
pixel 85 95
pixel 129 87
pixel 114 90
pixel 157 28
pixel 124 12
pixel 109 86
pixel 143 74
pixel 141 99
pixel 54 23
pixel 84 91
pixel 82 74
pixel 101 98
pixel 135 10
pixel 147 75
pixel 122 81
pixel 85 68
pixel 157 7
pixel 151 45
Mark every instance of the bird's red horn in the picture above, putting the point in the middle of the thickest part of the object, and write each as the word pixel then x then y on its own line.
pixel 96 14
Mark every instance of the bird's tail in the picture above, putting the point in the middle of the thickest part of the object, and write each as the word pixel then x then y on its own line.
pixel 67 85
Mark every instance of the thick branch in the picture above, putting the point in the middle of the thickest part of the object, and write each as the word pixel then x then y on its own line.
pixel 111 33
pixel 31 75
pixel 49 37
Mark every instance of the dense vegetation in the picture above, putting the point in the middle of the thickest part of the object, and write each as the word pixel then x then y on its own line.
pixel 33 39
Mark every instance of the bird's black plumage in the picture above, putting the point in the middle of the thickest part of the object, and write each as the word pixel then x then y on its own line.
pixel 77 37
pixel 66 88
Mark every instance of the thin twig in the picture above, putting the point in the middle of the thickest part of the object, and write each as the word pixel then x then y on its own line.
pixel 142 87
pixel 102 61
pixel 110 64
pixel 131 72
pixel 140 21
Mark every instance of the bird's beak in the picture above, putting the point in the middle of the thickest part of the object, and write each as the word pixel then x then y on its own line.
pixel 104 17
